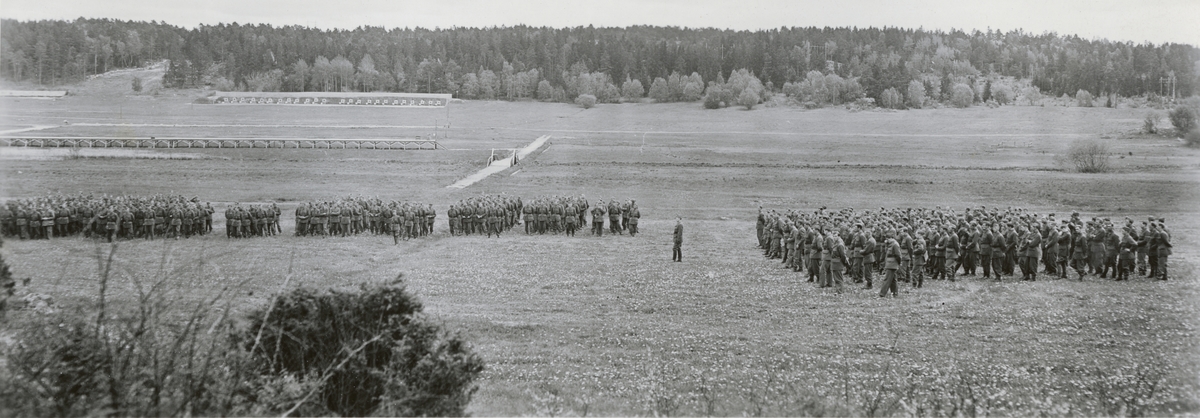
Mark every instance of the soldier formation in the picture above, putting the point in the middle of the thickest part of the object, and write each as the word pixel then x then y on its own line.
pixel 252 220
pixel 362 215
pixel 621 217
pixel 910 244
pixel 481 215
pixel 111 217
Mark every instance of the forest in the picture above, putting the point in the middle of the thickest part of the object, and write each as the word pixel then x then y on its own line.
pixel 562 63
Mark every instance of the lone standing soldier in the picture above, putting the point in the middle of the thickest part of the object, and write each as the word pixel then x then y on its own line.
pixel 634 214
pixel 677 250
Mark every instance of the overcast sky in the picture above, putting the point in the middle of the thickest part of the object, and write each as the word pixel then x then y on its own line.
pixel 1156 21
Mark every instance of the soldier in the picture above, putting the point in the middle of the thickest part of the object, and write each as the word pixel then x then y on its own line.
pixel 1152 249
pixel 625 216
pixel 677 249
pixel 1064 250
pixel 813 248
pixel 1010 251
pixel 827 245
pixel 634 215
pixel 397 222
pixel 530 219
pixel 868 258
pixel 857 243
pixel 1112 244
pixel 571 216
pixel 556 213
pixel 1050 247
pixel 838 262
pixel 598 219
pixel 614 217
pixel 891 265
pixel 1164 249
pixel 1143 240
pixel 62 221
pixel 1096 244
pixel 918 260
pixel 760 228
pixel 430 216
pixel 301 220
pixel 1079 247
pixel 1127 256
pixel 1033 253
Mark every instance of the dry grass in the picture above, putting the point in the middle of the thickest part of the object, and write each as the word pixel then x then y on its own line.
pixel 610 327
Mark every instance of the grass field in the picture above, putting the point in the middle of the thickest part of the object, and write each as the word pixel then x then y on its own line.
pixel 608 326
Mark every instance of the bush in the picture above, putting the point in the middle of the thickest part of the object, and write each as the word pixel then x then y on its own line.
pixel 891 98
pixel 1032 94
pixel 137 84
pixel 916 94
pixel 130 362
pixel 714 97
pixel 1083 98
pixel 1001 95
pixel 748 98
pixel 1192 139
pixel 1183 118
pixel 632 89
pixel 1089 156
pixel 1150 123
pixel 962 96
pixel 369 351
pixel 586 101
pixel 308 353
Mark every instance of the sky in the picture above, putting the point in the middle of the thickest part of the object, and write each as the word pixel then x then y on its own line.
pixel 1156 21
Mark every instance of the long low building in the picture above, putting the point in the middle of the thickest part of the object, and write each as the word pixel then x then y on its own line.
pixel 153 142
pixel 331 99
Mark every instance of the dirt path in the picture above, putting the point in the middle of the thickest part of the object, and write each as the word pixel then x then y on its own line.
pixel 499 165
pixel 34 128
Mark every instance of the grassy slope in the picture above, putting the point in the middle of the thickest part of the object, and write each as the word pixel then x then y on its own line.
pixel 609 323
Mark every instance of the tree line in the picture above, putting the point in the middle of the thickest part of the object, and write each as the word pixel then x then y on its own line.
pixel 562 63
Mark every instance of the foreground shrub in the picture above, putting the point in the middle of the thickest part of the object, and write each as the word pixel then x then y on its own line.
pixel 586 101
pixel 369 352
pixel 157 358
pixel 308 353
pixel 1183 118
pixel 1089 156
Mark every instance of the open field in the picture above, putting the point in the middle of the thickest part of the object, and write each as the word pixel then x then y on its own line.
pixel 608 326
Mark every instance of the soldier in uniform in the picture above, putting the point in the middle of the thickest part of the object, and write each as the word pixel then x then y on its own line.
pixel 868 257
pixel 430 216
pixel 1112 244
pixel 598 219
pixel 1079 252
pixel 625 216
pixel 1164 249
pixel 857 241
pixel 918 260
pixel 634 215
pixel 614 217
pixel 571 216
pixel 677 249
pixel 530 219
pixel 891 265
pixel 1127 257
pixel 397 222
pixel 813 243
pixel 838 261
pixel 1142 240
